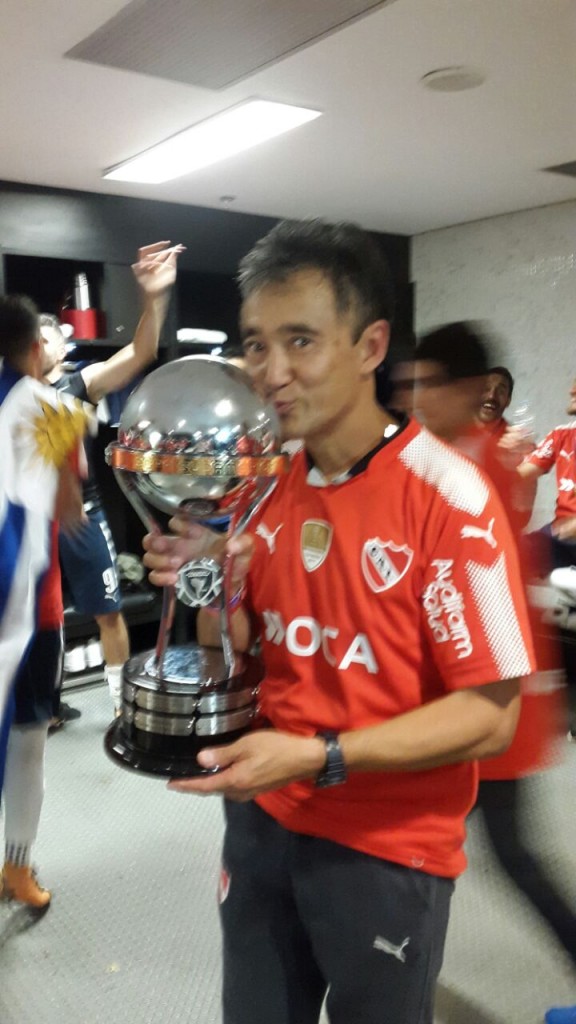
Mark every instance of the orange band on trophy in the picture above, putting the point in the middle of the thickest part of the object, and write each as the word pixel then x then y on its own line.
pixel 148 462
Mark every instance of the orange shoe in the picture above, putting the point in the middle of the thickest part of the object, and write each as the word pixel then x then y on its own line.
pixel 20 884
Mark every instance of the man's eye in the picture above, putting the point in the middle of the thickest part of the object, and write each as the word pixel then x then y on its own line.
pixel 301 342
pixel 252 347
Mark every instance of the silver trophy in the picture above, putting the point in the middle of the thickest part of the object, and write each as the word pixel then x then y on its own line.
pixel 194 440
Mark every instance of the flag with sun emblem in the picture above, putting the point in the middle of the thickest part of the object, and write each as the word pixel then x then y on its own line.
pixel 39 431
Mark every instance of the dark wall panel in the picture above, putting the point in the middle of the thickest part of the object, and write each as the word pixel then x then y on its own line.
pixel 89 226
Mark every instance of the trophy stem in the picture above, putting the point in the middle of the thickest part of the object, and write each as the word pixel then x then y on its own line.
pixel 130 490
pixel 226 618
pixel 128 487
pixel 166 622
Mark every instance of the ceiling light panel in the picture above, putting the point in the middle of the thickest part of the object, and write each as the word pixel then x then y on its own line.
pixel 230 132
pixel 213 44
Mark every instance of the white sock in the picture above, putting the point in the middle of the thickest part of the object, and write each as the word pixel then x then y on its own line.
pixel 113 675
pixel 23 789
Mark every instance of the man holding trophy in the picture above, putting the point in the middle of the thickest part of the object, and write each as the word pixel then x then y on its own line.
pixel 380 577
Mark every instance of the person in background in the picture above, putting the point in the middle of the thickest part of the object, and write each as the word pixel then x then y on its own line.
pixel 345 806
pixel 558 450
pixel 400 387
pixel 36 686
pixel 451 364
pixel 496 399
pixel 450 391
pixel 44 435
pixel 88 556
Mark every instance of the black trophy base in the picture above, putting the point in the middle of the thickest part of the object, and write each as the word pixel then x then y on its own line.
pixel 166 721
pixel 153 762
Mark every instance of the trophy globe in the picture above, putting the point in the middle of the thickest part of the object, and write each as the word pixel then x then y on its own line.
pixel 194 440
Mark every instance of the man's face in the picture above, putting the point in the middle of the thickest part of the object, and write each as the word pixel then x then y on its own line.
pixel 495 400
pixel 301 355
pixel 447 407
pixel 571 407
pixel 54 344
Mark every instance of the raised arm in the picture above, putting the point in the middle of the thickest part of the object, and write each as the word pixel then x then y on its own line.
pixel 155 272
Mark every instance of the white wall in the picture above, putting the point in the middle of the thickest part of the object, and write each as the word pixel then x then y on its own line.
pixel 518 273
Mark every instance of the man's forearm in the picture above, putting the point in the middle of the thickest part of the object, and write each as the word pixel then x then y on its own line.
pixel 121 369
pixel 463 726
pixel 147 334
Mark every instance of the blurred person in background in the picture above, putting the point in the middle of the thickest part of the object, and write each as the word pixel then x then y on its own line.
pixel 451 370
pixel 89 557
pixel 39 484
pixel 558 450
pixel 400 391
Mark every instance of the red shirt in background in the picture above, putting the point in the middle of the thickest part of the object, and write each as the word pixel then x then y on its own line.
pixel 558 449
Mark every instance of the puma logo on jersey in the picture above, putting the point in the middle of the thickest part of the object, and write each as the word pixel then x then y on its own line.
pixel 565 485
pixel 477 531
pixel 270 538
pixel 389 947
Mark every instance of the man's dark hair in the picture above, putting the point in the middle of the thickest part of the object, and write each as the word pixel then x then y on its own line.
pixel 19 324
pixel 348 257
pixel 458 347
pixel 502 371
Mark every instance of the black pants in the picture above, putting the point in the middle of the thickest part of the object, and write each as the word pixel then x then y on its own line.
pixel 301 915
pixel 547 551
pixel 499 803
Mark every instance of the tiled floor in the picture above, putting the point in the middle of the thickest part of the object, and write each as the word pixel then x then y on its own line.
pixel 132 935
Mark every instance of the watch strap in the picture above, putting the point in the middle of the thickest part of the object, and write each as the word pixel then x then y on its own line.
pixel 334 771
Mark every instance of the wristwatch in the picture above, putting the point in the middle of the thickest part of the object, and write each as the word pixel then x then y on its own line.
pixel 334 770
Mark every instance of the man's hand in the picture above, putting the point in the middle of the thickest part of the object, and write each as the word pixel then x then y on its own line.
pixel 256 763
pixel 155 269
pixel 166 554
pixel 565 529
pixel 514 445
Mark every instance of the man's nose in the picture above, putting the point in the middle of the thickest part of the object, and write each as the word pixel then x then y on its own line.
pixel 277 371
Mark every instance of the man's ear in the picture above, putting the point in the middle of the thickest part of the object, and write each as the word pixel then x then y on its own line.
pixel 36 358
pixel 374 342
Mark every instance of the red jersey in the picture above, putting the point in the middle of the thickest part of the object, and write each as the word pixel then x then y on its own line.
pixel 541 714
pixel 375 596
pixel 558 449
pixel 481 444
pixel 50 605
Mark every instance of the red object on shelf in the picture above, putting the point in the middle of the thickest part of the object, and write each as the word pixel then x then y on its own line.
pixel 86 322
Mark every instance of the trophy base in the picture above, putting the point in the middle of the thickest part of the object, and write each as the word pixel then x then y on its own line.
pixel 166 722
pixel 136 759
